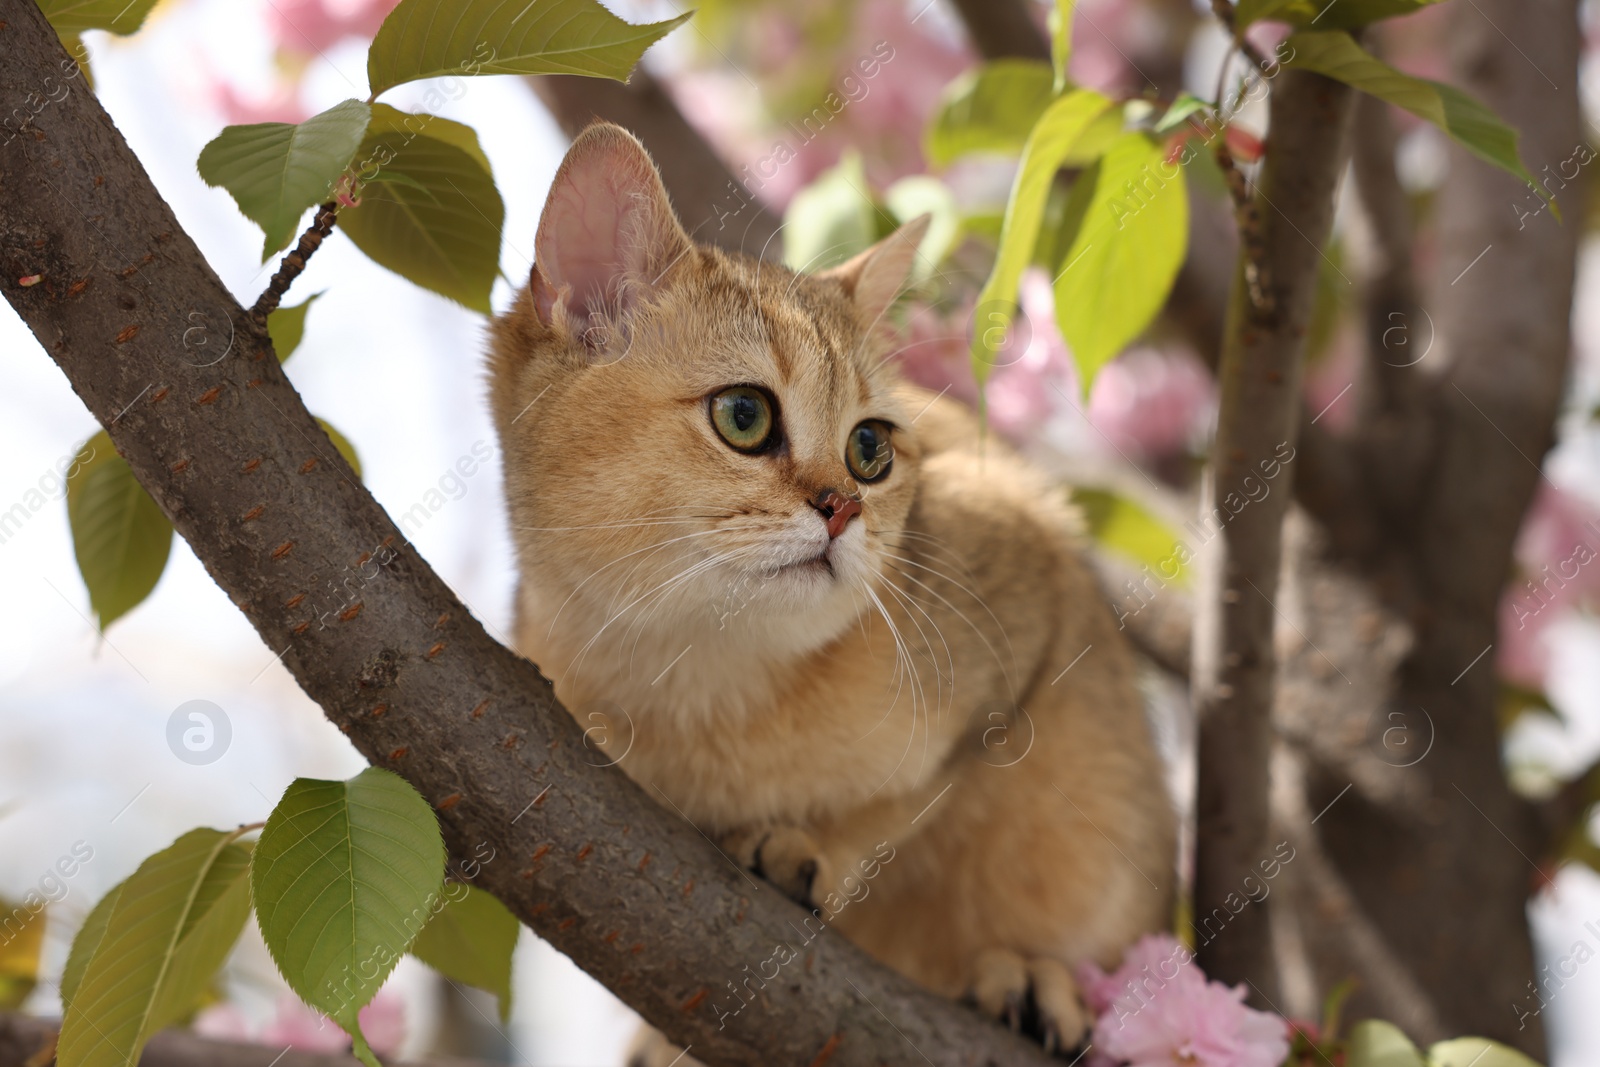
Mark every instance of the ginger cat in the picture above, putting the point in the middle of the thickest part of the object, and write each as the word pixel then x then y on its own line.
pixel 816 613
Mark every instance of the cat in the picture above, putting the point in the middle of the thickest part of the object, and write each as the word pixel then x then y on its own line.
pixel 815 610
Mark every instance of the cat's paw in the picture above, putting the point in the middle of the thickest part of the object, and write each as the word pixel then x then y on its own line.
pixel 1033 996
pixel 786 856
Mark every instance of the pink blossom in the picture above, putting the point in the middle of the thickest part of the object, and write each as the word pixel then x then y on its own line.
pixel 1558 553
pixel 297 1026
pixel 316 25
pixel 1158 1010
pixel 1152 402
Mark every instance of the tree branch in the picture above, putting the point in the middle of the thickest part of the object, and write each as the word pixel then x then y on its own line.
pixel 633 894
pixel 1260 379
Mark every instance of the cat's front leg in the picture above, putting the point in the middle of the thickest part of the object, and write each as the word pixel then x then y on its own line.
pixel 787 856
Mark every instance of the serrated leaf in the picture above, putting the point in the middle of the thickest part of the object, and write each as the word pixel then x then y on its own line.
pixel 287 325
pixel 430 38
pixel 1057 130
pixel 1115 276
pixel 428 207
pixel 172 925
pixel 75 16
pixel 342 443
pixel 990 109
pixel 344 876
pixel 87 941
pixel 1060 20
pixel 1473 126
pixel 275 171
pixel 1323 15
pixel 119 535
pixel 1375 1043
pixel 1129 529
pixel 1476 1052
pixel 831 219
pixel 471 940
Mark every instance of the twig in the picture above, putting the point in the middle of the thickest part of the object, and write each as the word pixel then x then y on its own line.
pixel 1234 662
pixel 1257 274
pixel 295 261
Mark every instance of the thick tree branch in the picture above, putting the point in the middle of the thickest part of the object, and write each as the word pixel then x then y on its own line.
pixel 26 1041
pixel 632 893
pixel 1260 379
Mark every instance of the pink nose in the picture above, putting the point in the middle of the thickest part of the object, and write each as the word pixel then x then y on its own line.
pixel 837 508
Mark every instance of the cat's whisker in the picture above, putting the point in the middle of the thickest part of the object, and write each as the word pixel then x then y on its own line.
pixel 1007 671
pixel 902 655
pixel 941 703
pixel 620 559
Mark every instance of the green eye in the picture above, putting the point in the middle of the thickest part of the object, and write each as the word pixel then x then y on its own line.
pixel 869 452
pixel 743 416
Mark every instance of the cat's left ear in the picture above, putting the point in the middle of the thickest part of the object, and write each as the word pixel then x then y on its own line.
pixel 875 277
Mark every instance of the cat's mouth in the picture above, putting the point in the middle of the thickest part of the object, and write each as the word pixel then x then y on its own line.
pixel 819 565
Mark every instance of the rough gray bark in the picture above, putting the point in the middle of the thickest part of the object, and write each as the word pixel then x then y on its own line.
pixel 633 894
pixel 1234 660
pixel 1424 839
pixel 1489 395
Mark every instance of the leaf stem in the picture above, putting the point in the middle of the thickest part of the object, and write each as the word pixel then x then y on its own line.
pixel 295 262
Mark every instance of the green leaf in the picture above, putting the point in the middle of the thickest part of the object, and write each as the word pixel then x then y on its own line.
pixel 430 38
pixel 87 942
pixel 287 325
pixel 75 16
pixel 171 926
pixel 428 207
pixel 471 940
pixel 831 219
pixel 119 535
pixel 1476 1052
pixel 1132 531
pixel 1057 130
pixel 1325 15
pixel 345 875
pixel 1472 125
pixel 1060 20
pixel 1375 1043
pixel 346 449
pixel 990 109
pixel 276 170
pixel 1115 276
pixel 1185 105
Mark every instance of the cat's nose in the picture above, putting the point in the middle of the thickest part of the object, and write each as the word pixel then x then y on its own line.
pixel 837 508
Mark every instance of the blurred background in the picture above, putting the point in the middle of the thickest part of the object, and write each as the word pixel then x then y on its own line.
pixel 88 761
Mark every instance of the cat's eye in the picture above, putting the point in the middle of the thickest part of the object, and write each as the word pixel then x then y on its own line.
pixel 743 416
pixel 869 452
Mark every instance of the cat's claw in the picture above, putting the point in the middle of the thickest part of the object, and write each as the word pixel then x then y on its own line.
pixel 1036 997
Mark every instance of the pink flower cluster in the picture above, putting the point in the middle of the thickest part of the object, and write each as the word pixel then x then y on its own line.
pixel 1159 1010
pixel 296 1026
pixel 1558 553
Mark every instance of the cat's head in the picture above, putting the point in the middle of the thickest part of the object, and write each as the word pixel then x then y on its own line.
pixel 692 436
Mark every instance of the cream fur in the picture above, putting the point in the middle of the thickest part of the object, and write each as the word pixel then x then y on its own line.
pixel 829 709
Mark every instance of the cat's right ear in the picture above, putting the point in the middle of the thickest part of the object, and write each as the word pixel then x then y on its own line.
pixel 607 231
